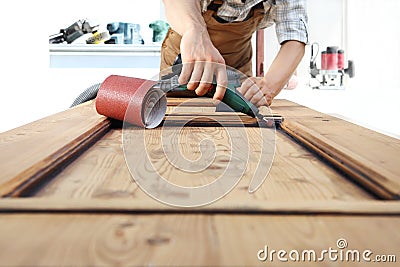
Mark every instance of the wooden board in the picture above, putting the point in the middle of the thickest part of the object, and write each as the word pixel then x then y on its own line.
pixel 32 153
pixel 88 211
pixel 233 206
pixel 101 172
pixel 190 102
pixel 370 158
pixel 188 239
pixel 99 125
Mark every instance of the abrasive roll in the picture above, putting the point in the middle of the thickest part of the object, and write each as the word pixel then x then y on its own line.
pixel 132 100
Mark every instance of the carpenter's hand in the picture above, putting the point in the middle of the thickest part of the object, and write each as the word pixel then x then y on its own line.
pixel 255 89
pixel 201 61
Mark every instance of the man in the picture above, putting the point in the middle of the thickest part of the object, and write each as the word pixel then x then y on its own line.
pixel 210 34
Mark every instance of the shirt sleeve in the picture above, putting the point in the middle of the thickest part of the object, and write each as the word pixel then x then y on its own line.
pixel 291 20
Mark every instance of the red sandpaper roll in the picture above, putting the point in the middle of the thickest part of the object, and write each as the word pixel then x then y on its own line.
pixel 133 100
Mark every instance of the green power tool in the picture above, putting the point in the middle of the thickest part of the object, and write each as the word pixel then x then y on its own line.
pixel 232 98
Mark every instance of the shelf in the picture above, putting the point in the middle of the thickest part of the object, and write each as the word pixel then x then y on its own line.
pixel 104 56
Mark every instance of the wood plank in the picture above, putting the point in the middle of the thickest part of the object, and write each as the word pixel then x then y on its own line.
pixel 193 107
pixel 369 157
pixel 189 109
pixel 101 171
pixel 234 206
pixel 210 120
pixel 188 240
pixel 190 102
pixel 62 137
pixel 31 153
pixel 223 119
pixel 201 112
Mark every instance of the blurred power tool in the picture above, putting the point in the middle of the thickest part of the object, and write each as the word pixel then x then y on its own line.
pixel 160 29
pixel 71 33
pixel 332 68
pixel 124 33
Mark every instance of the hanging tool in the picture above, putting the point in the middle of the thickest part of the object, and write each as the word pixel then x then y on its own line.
pixel 72 33
pixel 332 67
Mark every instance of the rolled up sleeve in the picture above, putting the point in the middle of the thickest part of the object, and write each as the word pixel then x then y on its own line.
pixel 291 20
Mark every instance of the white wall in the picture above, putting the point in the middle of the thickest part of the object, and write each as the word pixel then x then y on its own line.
pixel 325 27
pixel 30 90
pixel 373 41
pixel 370 35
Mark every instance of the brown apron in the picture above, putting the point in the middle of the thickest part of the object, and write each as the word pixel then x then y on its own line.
pixel 233 41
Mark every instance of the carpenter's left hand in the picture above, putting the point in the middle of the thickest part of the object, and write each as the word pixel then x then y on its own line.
pixel 256 90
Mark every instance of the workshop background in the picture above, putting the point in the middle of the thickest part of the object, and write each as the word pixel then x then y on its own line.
pixel 39 79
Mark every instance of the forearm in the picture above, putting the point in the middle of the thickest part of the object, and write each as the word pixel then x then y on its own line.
pixel 201 61
pixel 184 15
pixel 284 65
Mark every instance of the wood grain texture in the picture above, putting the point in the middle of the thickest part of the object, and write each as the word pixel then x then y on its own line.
pixel 369 157
pixel 31 153
pixel 233 206
pixel 101 172
pixel 210 120
pixel 186 240
pixel 190 102
pixel 93 213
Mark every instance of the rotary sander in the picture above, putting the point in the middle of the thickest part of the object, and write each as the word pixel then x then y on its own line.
pixel 143 102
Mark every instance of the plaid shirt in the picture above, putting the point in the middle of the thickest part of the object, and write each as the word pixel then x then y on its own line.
pixel 289 16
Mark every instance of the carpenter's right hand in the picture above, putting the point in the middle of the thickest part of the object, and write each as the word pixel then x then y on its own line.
pixel 201 61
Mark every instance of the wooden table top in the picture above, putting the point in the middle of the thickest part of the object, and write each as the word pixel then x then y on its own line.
pixel 69 198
